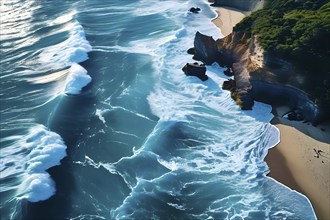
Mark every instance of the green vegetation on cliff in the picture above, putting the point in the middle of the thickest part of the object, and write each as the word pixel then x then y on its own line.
pixel 299 31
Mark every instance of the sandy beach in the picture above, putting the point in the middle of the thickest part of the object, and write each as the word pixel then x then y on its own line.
pixel 227 18
pixel 301 160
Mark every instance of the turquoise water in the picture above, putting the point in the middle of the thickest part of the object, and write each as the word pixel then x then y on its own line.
pixel 98 120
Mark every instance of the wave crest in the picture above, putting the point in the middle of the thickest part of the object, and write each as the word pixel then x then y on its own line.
pixel 46 149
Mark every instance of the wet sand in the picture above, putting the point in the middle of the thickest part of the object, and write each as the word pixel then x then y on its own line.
pixel 301 161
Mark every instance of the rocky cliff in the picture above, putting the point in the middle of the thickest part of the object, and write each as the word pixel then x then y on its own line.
pixel 259 76
pixel 205 49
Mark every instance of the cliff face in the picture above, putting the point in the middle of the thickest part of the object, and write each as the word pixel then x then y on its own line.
pixel 259 76
pixel 246 5
pixel 234 52
pixel 205 48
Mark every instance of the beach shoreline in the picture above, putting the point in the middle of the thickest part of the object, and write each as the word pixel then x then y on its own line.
pixel 227 18
pixel 301 161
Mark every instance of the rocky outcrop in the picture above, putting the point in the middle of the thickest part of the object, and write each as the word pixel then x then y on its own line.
pixel 234 53
pixel 191 51
pixel 261 77
pixel 246 5
pixel 205 49
pixel 229 85
pixel 228 72
pixel 194 10
pixel 194 69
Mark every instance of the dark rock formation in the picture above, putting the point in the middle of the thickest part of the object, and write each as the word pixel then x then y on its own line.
pixel 191 51
pixel 228 72
pixel 229 85
pixel 194 10
pixel 194 69
pixel 293 116
pixel 244 100
pixel 205 49
pixel 241 97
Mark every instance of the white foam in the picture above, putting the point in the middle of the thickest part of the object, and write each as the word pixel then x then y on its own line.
pixel 37 187
pixel 145 8
pixel 181 33
pixel 99 114
pixel 73 50
pixel 77 79
pixel 69 53
pixel 45 150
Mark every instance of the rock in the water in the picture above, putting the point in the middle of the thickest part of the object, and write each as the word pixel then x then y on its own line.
pixel 229 72
pixel 194 10
pixel 205 49
pixel 191 51
pixel 193 69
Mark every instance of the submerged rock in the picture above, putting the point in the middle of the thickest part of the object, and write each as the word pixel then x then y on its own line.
pixel 194 10
pixel 194 69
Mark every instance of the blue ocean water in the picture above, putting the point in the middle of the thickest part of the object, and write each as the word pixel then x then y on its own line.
pixel 98 120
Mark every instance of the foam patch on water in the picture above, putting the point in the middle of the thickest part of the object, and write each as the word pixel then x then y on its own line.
pixel 45 150
pixel 77 79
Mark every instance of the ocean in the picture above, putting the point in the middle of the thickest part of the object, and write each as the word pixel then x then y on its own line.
pixel 98 121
